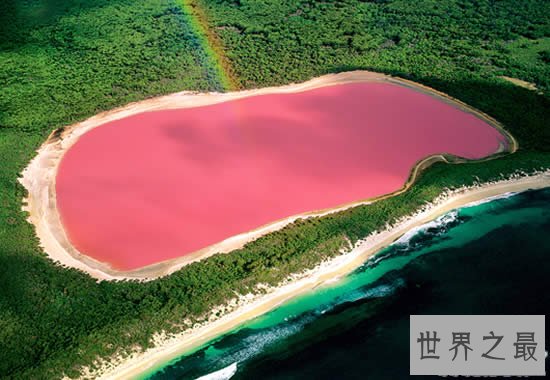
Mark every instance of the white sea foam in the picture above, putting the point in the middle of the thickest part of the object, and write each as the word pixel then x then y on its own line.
pixel 377 292
pixel 223 374
pixel 442 221
pixel 383 290
pixel 257 342
pixel 490 199
pixel 376 259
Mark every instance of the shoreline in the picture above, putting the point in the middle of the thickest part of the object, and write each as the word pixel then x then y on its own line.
pixel 39 176
pixel 170 348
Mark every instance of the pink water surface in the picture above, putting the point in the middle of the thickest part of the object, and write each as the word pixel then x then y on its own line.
pixel 163 184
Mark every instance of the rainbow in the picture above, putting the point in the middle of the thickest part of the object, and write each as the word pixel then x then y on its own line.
pixel 216 61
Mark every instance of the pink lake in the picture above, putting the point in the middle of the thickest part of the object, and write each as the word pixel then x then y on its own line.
pixel 159 185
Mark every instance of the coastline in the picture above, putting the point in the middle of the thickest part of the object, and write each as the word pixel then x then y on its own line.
pixel 39 176
pixel 249 307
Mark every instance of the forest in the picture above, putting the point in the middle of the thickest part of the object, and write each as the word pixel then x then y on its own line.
pixel 64 60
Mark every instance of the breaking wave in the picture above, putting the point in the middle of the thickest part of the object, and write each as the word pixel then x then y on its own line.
pixel 434 228
pixel 223 374
pixel 367 292
pixel 417 237
pixel 490 199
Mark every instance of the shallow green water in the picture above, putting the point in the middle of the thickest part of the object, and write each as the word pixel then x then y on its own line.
pixel 490 258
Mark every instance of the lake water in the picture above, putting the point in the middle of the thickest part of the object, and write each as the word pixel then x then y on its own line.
pixel 158 185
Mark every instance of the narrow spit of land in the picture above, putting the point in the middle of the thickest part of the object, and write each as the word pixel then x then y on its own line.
pixel 168 348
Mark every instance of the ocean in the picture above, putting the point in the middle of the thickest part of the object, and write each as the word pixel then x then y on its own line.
pixel 488 258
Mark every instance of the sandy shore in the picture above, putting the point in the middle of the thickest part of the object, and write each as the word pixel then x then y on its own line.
pixel 39 176
pixel 168 348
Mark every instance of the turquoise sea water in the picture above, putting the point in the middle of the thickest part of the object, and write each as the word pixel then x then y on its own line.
pixel 492 258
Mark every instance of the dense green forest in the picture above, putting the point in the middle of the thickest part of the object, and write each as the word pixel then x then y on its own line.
pixel 272 42
pixel 65 60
